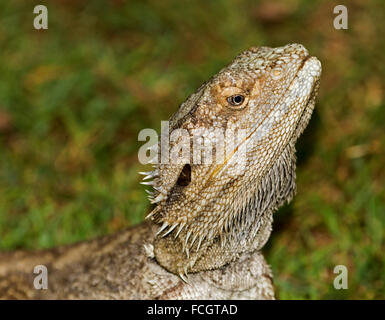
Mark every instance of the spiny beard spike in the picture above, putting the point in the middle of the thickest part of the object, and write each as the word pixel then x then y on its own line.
pixel 164 226
pixel 180 229
pixel 170 230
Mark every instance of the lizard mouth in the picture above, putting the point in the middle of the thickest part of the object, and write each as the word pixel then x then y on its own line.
pixel 315 69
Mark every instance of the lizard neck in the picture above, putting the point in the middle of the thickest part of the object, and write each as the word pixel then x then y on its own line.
pixel 249 230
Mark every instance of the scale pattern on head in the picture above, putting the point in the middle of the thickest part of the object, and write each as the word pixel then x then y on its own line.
pixel 255 109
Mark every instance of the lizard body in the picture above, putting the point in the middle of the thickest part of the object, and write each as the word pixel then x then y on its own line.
pixel 211 218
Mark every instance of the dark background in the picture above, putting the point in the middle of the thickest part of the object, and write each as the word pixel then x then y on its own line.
pixel 74 97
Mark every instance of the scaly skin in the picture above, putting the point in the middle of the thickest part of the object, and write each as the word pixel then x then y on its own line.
pixel 214 217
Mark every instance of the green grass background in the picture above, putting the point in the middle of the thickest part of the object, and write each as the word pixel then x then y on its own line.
pixel 74 97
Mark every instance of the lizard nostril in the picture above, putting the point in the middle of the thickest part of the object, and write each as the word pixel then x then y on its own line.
pixel 185 176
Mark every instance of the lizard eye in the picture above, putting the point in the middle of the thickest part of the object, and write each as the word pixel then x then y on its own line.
pixel 236 100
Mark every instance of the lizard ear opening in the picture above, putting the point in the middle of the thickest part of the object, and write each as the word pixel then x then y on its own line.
pixel 185 176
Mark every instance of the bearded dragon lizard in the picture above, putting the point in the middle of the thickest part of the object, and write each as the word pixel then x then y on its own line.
pixel 204 236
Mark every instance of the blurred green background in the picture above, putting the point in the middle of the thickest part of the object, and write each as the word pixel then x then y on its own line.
pixel 74 97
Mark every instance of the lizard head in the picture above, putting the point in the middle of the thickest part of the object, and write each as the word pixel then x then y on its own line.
pixel 236 135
